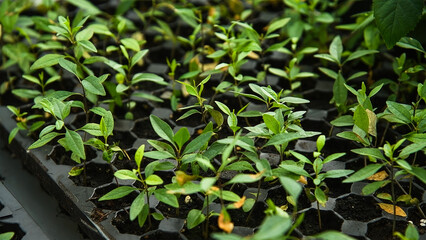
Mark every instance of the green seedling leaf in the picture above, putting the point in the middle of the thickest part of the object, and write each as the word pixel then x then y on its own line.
pixel 44 140
pixel 7 235
pixel 361 118
pixel 336 49
pixel 46 61
pixel 295 169
pixel 300 157
pixel 137 57
pixel 291 186
pixel 343 121
pixel 363 173
pixel 169 199
pixel 224 108
pixel 87 45
pixel 69 66
pixel 399 111
pixel 194 218
pixel 340 93
pixel 139 155
pixel 410 43
pixel 395 18
pixel 412 148
pixel 337 173
pixel 92 129
pixel 320 196
pixel 283 138
pixel 181 137
pixel 162 128
pixel 75 143
pixel 240 166
pixel 206 183
pixel 117 193
pixel 371 152
pixel 131 43
pixel 26 93
pixel 153 180
pixel 143 215
pixel 320 142
pixel 93 85
pixel 294 100
pixel 277 25
pixel 372 187
pixel 125 174
pixel 137 206
pixel 198 143
pixel 141 77
pixel 333 235
pixel 271 123
pixel 360 53
pixel 245 178
pixel 273 227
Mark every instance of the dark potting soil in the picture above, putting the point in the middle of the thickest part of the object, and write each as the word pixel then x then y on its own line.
pixel 359 208
pixel 61 157
pixel 310 224
pixel 415 216
pixel 382 229
pixel 96 175
pixel 197 232
pixel 122 222
pixel 241 218
pixel 186 204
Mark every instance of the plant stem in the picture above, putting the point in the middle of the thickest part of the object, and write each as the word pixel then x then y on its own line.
pixel 255 201
pixel 206 230
pixel 319 216
pixel 393 196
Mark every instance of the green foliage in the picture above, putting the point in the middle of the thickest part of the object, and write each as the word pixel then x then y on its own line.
pixel 395 18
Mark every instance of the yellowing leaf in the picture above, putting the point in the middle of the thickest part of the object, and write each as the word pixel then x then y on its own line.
pixel 224 222
pixel 240 203
pixel 253 55
pixel 382 175
pixel 303 180
pixel 389 209
pixel 182 177
pixel 372 121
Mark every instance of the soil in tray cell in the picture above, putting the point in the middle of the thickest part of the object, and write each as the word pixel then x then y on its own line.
pixel 359 208
pixel 123 224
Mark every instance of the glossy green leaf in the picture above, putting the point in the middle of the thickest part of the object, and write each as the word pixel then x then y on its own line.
pixel 340 93
pixel 93 85
pixel 93 129
pixel 371 152
pixel 139 155
pixel 44 140
pixel 363 173
pixel 372 187
pixel 131 43
pixel 273 227
pixel 137 206
pixel 194 218
pixel 88 45
pixel 399 111
pixel 198 143
pixel 163 196
pixel 336 48
pixel 75 143
pixel 181 137
pixel 395 18
pixel 69 66
pixel 333 235
pixel 125 174
pixel 271 123
pixel 361 118
pixel 162 128
pixel 320 196
pixel 117 193
pixel 46 61
pixel 153 180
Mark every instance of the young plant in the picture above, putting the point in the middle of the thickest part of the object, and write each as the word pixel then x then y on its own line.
pixel 340 93
pixel 175 147
pixel 280 128
pixel 149 182
pixel 319 177
pixel 23 122
pixel 396 165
